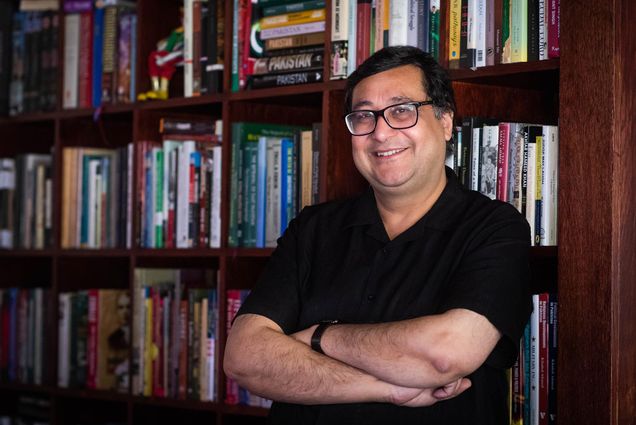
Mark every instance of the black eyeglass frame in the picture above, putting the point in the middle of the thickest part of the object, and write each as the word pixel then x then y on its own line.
pixel 380 113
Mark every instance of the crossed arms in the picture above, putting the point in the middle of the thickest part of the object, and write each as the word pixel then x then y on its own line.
pixel 413 363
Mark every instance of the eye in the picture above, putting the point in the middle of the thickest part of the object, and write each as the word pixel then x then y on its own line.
pixel 362 116
pixel 400 112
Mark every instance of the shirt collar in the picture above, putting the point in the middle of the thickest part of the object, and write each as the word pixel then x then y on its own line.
pixel 364 211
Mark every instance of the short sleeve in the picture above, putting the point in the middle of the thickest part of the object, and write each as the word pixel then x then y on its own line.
pixel 276 294
pixel 493 280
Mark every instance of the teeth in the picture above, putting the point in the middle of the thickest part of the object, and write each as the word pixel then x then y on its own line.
pixel 389 153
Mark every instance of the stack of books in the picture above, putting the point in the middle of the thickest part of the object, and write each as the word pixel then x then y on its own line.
pixel 277 43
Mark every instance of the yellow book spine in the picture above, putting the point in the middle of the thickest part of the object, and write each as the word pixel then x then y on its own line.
pixel 304 17
pixel 454 32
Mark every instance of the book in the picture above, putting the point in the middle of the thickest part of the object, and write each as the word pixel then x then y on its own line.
pixel 279 64
pixel 300 6
pixel 285 79
pixel 293 18
pixel 311 27
pixel 339 38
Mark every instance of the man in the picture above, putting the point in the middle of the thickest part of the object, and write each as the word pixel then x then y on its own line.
pixel 427 280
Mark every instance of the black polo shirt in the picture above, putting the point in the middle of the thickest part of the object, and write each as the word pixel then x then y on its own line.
pixel 336 261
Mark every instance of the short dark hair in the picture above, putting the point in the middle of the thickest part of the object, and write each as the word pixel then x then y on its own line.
pixel 435 80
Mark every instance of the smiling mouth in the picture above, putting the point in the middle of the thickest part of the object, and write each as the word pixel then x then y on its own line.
pixel 392 152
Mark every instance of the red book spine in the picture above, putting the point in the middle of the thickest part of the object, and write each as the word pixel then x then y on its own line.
pixel 93 314
pixel 231 386
pixel 85 92
pixel 502 161
pixel 363 30
pixel 554 17
pixel 245 15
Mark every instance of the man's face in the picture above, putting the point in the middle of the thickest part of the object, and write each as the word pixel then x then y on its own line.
pixel 400 161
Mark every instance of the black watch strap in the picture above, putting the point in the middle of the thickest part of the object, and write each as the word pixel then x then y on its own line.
pixel 315 338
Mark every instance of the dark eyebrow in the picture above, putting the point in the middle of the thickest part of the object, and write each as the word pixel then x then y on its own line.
pixel 394 100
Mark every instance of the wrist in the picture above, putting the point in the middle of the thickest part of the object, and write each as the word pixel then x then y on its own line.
pixel 316 337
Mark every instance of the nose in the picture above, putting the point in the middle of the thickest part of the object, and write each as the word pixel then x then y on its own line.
pixel 382 130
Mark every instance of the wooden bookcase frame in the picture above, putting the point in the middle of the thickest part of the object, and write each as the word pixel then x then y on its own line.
pixel 590 92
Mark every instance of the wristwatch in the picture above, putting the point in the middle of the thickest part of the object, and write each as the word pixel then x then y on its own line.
pixel 315 338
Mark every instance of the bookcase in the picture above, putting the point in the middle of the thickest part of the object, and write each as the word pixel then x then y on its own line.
pixel 590 92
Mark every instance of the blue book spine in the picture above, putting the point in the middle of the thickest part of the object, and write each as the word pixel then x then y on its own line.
pixel 287 198
pixel 526 375
pixel 98 40
pixel 260 191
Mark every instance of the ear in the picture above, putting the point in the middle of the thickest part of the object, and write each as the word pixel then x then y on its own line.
pixel 447 125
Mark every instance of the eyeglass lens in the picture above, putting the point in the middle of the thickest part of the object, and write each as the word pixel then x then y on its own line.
pixel 397 116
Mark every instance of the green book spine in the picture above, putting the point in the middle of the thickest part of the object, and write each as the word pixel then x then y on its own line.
pixel 280 9
pixel 434 29
pixel 235 168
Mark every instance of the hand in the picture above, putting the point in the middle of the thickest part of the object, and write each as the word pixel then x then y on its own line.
pixel 304 336
pixel 420 397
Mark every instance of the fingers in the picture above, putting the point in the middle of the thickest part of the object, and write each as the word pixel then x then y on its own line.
pixel 453 389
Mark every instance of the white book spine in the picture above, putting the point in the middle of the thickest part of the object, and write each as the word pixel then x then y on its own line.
pixel 474 160
pixel 188 47
pixel 549 187
pixel 543 30
pixel 481 33
pixel 273 192
pixel 339 20
pixel 288 30
pixel 353 21
pixel 398 22
pixel 473 18
pixel 215 210
pixel 411 22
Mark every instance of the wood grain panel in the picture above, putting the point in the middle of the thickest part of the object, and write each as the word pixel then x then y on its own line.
pixel 585 212
pixel 624 220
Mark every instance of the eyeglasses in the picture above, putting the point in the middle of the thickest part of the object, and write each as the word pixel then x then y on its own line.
pixel 398 117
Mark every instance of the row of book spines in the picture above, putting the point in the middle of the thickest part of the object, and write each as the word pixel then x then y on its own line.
pixel 92 342
pixel 360 28
pixel 203 46
pixel 27 208
pixel 274 172
pixel 234 393
pixel 96 197
pixel 32 77
pixel 180 193
pixel 178 351
pixel 484 33
pixel 515 163
pixel 23 341
pixel 533 377
pixel 100 65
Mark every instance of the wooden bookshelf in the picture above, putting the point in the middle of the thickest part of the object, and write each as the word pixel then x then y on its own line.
pixel 590 92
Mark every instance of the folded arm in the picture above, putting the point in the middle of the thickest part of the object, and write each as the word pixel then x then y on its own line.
pixel 425 352
pixel 261 358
